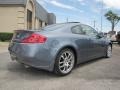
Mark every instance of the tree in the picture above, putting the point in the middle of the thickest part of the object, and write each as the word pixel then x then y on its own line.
pixel 113 18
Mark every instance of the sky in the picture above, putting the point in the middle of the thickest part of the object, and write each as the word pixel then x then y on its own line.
pixel 84 11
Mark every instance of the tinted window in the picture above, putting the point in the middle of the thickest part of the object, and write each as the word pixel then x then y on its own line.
pixel 89 30
pixel 77 30
pixel 54 27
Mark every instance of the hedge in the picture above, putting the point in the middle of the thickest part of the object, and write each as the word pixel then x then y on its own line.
pixel 5 36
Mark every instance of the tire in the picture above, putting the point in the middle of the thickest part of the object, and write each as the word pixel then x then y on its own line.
pixel 109 51
pixel 64 62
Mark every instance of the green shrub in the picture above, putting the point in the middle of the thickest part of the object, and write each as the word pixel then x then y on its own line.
pixel 6 36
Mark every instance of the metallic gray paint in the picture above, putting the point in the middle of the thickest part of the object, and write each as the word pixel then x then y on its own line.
pixel 43 56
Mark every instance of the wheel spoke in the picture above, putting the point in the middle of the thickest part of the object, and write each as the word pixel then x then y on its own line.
pixel 66 68
pixel 69 60
pixel 69 65
pixel 61 62
pixel 62 66
pixel 69 55
pixel 62 57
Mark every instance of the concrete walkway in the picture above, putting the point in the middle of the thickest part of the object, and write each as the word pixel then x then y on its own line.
pixel 4 47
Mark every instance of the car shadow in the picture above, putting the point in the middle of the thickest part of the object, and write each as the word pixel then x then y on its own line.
pixel 94 72
pixel 18 70
pixel 89 62
pixel 81 71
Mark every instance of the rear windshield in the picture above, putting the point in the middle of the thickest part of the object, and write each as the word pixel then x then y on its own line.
pixel 53 27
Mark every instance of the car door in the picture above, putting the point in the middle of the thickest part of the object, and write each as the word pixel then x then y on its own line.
pixel 97 44
pixel 83 43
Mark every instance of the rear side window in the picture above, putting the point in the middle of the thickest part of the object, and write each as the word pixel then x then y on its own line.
pixel 53 27
pixel 77 30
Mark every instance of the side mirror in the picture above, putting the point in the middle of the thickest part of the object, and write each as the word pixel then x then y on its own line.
pixel 100 35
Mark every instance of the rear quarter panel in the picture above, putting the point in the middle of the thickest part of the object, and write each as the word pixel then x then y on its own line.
pixel 59 41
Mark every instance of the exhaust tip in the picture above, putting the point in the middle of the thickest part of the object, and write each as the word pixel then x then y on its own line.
pixel 26 66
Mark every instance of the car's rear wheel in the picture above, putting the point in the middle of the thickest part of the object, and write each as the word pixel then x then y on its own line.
pixel 64 62
pixel 109 51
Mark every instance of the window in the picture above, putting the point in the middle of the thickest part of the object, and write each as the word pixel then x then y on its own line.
pixel 40 23
pixel 77 30
pixel 29 19
pixel 89 30
pixel 53 27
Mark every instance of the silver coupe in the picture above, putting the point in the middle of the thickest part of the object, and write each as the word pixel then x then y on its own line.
pixel 59 47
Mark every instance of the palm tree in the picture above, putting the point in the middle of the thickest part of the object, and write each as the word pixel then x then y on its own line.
pixel 113 18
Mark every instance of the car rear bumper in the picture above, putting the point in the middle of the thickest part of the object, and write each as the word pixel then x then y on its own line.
pixel 35 55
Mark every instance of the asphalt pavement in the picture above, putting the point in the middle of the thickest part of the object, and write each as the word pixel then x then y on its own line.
pixel 100 74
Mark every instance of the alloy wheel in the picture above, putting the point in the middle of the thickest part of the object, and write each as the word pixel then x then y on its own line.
pixel 66 62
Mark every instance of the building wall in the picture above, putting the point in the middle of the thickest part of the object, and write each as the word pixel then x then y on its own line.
pixel 21 18
pixel 30 6
pixel 14 17
pixel 40 12
pixel 38 24
pixel 43 24
pixel 51 18
pixel 11 18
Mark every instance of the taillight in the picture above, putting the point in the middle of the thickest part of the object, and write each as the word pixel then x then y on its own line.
pixel 34 38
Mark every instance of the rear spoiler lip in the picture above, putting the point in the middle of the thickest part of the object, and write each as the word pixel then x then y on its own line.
pixel 27 30
pixel 21 30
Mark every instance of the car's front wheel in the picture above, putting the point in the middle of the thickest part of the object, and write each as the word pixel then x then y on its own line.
pixel 109 51
pixel 64 62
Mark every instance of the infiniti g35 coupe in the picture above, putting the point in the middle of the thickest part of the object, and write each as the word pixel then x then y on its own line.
pixel 59 47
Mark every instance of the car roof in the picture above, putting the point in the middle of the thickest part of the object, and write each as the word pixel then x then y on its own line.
pixel 64 24
pixel 59 26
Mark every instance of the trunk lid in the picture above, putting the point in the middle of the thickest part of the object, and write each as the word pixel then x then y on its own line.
pixel 20 35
